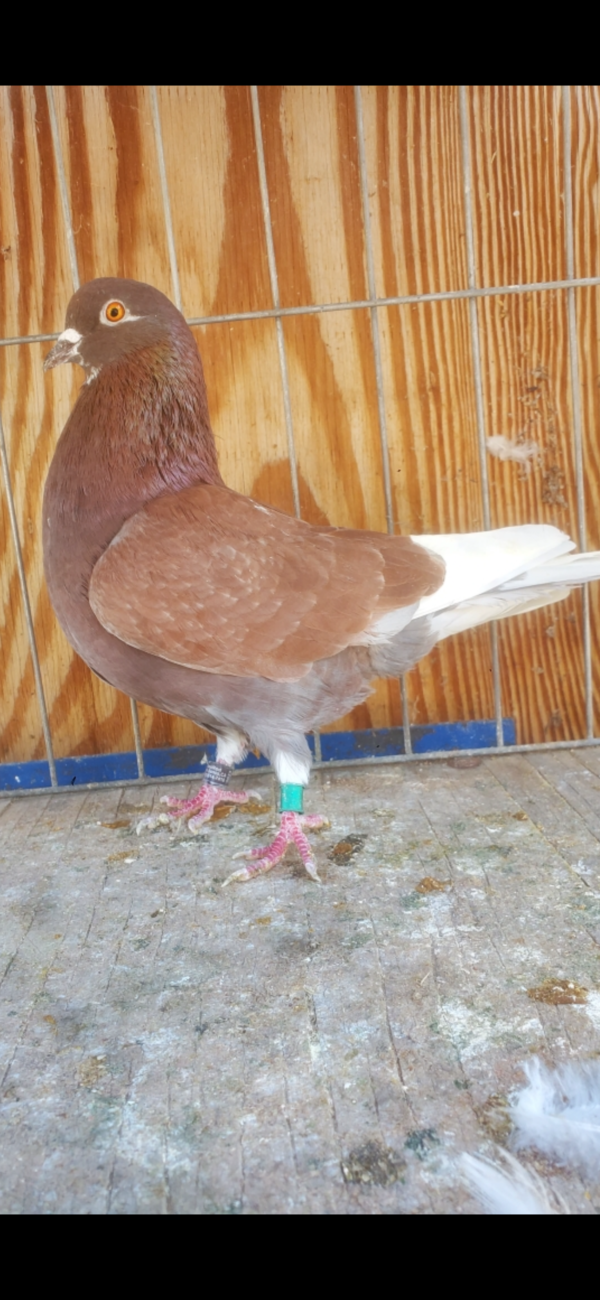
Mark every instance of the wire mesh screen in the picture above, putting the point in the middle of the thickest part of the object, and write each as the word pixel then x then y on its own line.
pixel 395 294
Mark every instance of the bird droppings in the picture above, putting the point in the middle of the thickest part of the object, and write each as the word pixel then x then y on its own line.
pixel 558 992
pixel 91 1070
pixel 429 885
pixel 373 1163
pixel 420 1141
pixel 252 809
pixel 553 486
pixel 495 1118
pixel 127 856
pixel 346 849
pixel 221 811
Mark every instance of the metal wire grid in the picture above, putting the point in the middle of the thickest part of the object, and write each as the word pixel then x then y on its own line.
pixel 372 304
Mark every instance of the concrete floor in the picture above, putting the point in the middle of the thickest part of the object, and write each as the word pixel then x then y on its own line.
pixel 283 1047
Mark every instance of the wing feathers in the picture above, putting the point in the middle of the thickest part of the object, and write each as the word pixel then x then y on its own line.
pixel 211 580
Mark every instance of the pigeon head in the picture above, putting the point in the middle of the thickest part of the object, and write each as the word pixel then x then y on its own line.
pixel 144 396
pixel 108 319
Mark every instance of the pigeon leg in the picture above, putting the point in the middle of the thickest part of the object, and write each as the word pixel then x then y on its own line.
pixel 200 808
pixel 290 832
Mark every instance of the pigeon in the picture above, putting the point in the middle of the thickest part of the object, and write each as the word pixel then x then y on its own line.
pixel 201 602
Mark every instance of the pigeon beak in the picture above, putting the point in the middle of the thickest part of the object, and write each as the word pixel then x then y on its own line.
pixel 65 349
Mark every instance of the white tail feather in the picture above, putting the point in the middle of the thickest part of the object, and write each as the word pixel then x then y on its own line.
pixel 571 569
pixel 493 604
pixel 493 575
pixel 488 576
pixel 480 562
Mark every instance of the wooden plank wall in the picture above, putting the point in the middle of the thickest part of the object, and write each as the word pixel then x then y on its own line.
pixel 414 163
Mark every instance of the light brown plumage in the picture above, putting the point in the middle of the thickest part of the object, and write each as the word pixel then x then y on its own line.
pixel 213 580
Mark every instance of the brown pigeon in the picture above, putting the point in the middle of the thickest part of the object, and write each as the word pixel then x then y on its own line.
pixel 204 603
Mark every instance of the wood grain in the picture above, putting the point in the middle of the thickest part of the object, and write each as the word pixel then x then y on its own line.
pixel 414 164
pixel 585 164
pixel 416 212
pixel 311 156
pixel 585 161
pixel 86 716
pixel 587 303
pixel 528 398
pixel 111 165
pixel 212 174
pixel 517 164
pixel 35 281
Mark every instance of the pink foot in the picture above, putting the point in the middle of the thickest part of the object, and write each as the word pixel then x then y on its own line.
pixel 290 832
pixel 199 809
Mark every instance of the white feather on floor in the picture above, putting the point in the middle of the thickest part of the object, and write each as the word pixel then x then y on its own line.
pixel 507 1187
pixel 559 1114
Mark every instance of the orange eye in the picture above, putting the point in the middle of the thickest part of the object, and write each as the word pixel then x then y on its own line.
pixel 114 312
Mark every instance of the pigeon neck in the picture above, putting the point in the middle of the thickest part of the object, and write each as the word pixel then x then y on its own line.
pixel 139 428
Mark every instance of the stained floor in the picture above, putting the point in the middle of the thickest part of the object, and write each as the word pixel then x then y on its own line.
pixel 283 1047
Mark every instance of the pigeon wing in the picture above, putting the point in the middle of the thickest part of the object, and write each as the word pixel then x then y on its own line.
pixel 215 581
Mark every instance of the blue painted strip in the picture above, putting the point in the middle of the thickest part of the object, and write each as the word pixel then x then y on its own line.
pixel 187 760
pixel 24 776
pixel 70 771
pixel 387 742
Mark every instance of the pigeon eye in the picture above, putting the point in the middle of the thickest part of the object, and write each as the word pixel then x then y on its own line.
pixel 113 312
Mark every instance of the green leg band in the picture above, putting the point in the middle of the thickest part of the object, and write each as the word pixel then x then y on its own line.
pixel 290 798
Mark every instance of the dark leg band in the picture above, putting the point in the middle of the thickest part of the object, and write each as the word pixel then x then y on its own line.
pixel 217 774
